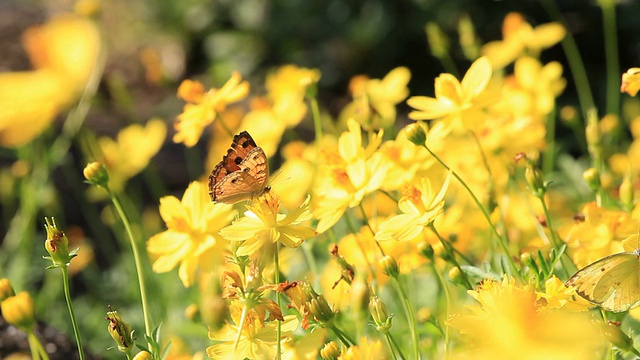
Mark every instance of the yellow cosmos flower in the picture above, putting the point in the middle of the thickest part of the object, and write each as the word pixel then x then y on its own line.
pixel 64 52
pixel 263 225
pixel 406 161
pixel 631 81
pixel 256 341
pixel 374 100
pixel 132 150
pixel 599 235
pixel 518 36
pixel 420 206
pixel 453 97
pixel 203 107
pixel 557 295
pixel 345 177
pixel 536 86
pixel 509 323
pixel 365 350
pixel 192 236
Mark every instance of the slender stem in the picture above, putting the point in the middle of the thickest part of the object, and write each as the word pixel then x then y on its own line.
pixel 482 209
pixel 395 346
pixel 411 319
pixel 550 151
pixel 366 222
pixel 391 346
pixel 344 338
pixel 277 281
pixel 317 122
pixel 557 243
pixel 243 317
pixel 576 65
pixel 447 297
pixel 137 260
pixel 74 322
pixel 35 346
pixel 611 55
pixel 454 261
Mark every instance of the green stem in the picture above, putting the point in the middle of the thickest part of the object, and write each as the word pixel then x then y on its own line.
pixel 576 65
pixel 611 55
pixel 447 297
pixel 411 319
pixel 137 260
pixel 557 243
pixel 548 157
pixel 74 322
pixel 500 238
pixel 277 281
pixel 454 261
pixel 344 338
pixel 243 317
pixel 35 346
pixel 398 351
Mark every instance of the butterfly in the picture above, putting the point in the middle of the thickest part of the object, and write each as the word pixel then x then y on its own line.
pixel 242 174
pixel 612 282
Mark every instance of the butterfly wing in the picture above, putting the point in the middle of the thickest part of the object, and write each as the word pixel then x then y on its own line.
pixel 242 174
pixel 612 282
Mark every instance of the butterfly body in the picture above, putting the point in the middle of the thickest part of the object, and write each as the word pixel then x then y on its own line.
pixel 612 282
pixel 242 174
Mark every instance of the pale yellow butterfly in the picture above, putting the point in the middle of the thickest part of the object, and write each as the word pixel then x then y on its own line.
pixel 242 174
pixel 612 282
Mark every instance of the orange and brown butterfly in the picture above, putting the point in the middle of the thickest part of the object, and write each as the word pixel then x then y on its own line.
pixel 242 174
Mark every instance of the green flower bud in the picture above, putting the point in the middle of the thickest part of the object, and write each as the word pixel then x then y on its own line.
pixel 416 133
pixel 96 174
pixel 592 177
pixel 389 266
pixel 57 245
pixel 321 309
pixel 380 315
pixel 120 331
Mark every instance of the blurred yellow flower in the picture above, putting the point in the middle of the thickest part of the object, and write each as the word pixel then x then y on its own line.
pixel 509 323
pixel 19 311
pixel 202 107
pixel 131 151
pixel 365 350
pixel 599 235
pixel 453 97
pixel 192 237
pixel 518 37
pixel 631 81
pixel 374 100
pixel 345 177
pixel 263 225
pixel 305 348
pixel 65 53
pixel 406 161
pixel 557 295
pixel 255 341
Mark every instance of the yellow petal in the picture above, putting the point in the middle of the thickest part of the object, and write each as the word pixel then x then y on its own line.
pixel 476 78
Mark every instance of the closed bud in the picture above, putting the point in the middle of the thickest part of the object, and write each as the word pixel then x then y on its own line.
pixel 454 274
pixel 143 355
pixel 380 315
pixel 330 351
pixel 57 244
pixel 120 331
pixel 416 133
pixel 6 290
pixel 19 311
pixel 535 180
pixel 192 312
pixel 617 337
pixel 425 249
pixel 96 174
pixel 592 177
pixel 389 266
pixel 321 309
pixel 437 40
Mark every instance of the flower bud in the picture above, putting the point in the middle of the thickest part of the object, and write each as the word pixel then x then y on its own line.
pixel 143 355
pixel 535 180
pixel 454 274
pixel 57 244
pixel 214 310
pixel 416 133
pixel 96 174
pixel 592 177
pixel 380 315
pixel 425 249
pixel 438 42
pixel 625 192
pixel 617 337
pixel 5 289
pixel 330 351
pixel 120 331
pixel 321 309
pixel 389 266
pixel 19 311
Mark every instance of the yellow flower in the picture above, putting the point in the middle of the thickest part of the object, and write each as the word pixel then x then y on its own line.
pixel 345 177
pixel 262 225
pixel 420 206
pixel 557 295
pixel 599 235
pixel 64 52
pixel 406 161
pixel 306 348
pixel 131 151
pixel 509 323
pixel 256 341
pixel 365 350
pixel 374 100
pixel 453 97
pixel 519 36
pixel 631 81
pixel 19 311
pixel 202 107
pixel 192 236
